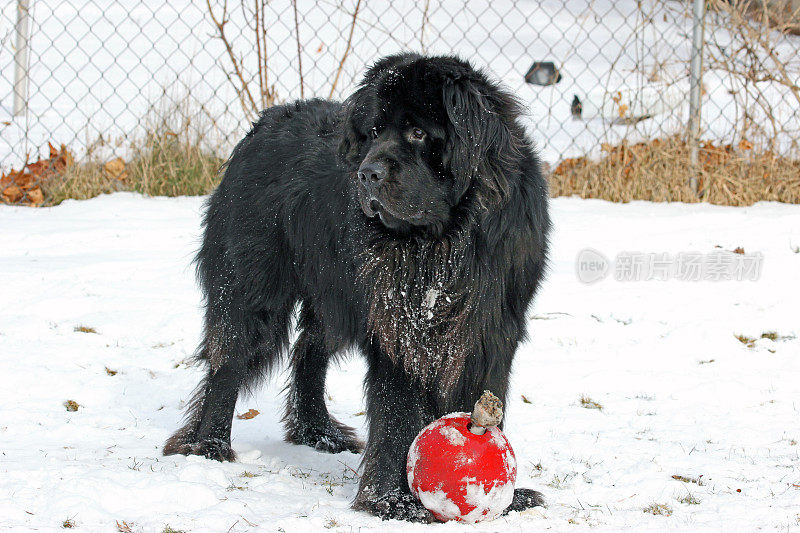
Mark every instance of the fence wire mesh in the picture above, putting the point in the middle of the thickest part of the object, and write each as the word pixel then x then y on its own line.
pixel 100 74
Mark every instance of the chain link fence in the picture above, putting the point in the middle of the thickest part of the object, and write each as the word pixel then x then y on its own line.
pixel 94 75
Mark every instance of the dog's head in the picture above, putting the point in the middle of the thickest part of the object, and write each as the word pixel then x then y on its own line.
pixel 427 138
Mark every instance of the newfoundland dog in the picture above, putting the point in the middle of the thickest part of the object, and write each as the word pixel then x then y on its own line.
pixel 408 223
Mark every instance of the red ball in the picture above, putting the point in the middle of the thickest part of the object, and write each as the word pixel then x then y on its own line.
pixel 458 475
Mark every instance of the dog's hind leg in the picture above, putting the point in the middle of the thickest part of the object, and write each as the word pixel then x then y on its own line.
pixel 306 417
pixel 239 347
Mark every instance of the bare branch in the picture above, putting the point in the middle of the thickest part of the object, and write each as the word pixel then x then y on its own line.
pixel 346 50
pixel 299 57
pixel 244 89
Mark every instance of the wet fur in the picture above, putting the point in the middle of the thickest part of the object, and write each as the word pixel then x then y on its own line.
pixel 437 309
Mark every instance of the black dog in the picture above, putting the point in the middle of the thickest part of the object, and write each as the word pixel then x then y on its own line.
pixel 409 223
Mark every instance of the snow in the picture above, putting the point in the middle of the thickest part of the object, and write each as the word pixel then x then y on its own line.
pixel 453 435
pixel 488 504
pixel 438 502
pixel 121 264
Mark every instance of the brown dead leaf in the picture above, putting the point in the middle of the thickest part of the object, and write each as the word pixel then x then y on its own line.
pixel 738 250
pixel 35 196
pixel 745 145
pixel 623 109
pixel 12 194
pixel 252 413
pixel 319 48
pixel 24 185
pixel 124 527
pixel 525 399
pixel 71 405
pixel 116 168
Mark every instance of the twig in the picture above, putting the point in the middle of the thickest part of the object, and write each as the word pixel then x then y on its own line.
pixel 267 97
pixel 244 90
pixel 258 49
pixel 350 467
pixel 425 20
pixel 346 50
pixel 299 57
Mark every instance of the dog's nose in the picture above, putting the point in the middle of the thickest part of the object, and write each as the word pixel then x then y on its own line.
pixel 372 173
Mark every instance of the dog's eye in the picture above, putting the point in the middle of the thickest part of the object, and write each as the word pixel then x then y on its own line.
pixel 374 133
pixel 417 133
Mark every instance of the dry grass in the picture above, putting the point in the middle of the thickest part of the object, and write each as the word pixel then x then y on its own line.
pixel 658 509
pixel 659 171
pixel 689 499
pixel 162 165
pixel 588 403
pixel 171 158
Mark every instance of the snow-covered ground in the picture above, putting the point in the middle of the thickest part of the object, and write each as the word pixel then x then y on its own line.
pixel 681 396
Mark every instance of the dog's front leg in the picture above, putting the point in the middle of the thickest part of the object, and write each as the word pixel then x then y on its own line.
pixel 397 409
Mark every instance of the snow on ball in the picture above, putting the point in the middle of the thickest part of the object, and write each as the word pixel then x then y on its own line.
pixel 458 475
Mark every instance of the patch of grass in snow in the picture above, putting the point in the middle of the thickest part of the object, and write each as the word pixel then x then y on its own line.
pixel 747 341
pixel 588 403
pixel 661 509
pixel 68 523
pixel 247 473
pixel 299 472
pixel 331 523
pixel 689 499
pixel 696 480
pixel 774 336
pixel 71 405
pixel 168 529
pixel 84 329
pixel 559 483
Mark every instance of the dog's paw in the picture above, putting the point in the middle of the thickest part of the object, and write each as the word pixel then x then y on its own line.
pixel 216 449
pixel 525 499
pixel 396 505
pixel 331 438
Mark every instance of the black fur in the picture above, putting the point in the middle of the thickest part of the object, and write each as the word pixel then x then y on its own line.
pixel 409 223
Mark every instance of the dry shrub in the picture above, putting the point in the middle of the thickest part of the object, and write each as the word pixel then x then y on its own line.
pixel 781 15
pixel 761 68
pixel 173 157
pixel 659 171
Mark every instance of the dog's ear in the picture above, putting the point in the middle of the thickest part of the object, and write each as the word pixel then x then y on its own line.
pixel 480 151
pixel 351 136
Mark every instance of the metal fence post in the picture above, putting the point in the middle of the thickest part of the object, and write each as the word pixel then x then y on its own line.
pixel 696 74
pixel 21 59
